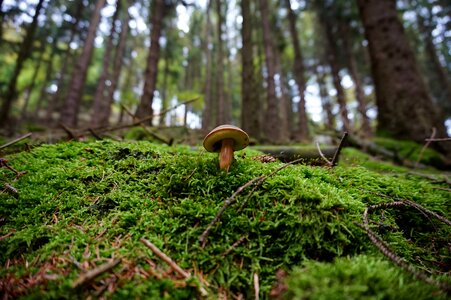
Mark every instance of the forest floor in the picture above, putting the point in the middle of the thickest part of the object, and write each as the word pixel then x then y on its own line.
pixel 137 219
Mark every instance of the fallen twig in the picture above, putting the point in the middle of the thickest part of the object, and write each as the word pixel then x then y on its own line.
pixel 385 249
pixel 438 140
pixel 94 134
pixel 138 122
pixel 232 199
pixel 340 146
pixel 322 155
pixel 256 286
pixel 170 262
pixel 69 132
pixel 91 274
pixel 152 134
pixel 233 247
pixel 166 258
pixel 15 140
pixel 428 142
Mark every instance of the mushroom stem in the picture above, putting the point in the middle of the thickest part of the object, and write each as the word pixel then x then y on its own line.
pixel 226 154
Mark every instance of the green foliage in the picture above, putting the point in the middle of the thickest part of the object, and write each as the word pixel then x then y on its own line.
pixel 83 200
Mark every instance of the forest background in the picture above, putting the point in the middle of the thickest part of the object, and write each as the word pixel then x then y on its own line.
pixel 282 70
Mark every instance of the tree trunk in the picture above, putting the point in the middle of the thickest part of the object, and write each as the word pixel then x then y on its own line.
pixel 100 98
pixel 221 113
pixel 117 68
pixel 325 99
pixel 24 53
pixel 250 119
pixel 272 130
pixel 285 111
pixel 303 131
pixel 333 62
pixel 208 112
pixel 164 94
pixel 2 14
pixel 442 79
pixel 355 76
pixel 54 101
pixel 151 73
pixel 69 113
pixel 30 88
pixel 405 108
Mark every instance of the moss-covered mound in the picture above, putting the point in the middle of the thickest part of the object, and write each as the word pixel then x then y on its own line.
pixel 82 205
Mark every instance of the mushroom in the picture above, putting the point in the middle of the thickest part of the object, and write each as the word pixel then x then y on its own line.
pixel 225 139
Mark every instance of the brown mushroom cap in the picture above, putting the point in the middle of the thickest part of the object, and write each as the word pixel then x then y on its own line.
pixel 212 142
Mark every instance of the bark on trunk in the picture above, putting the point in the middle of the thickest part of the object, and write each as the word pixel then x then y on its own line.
pixel 24 53
pixel 221 113
pixel 272 130
pixel 285 129
pixel 250 119
pixel 117 68
pixel 325 100
pixel 355 76
pixel 405 108
pixel 151 72
pixel 69 113
pixel 443 92
pixel 55 100
pixel 208 112
pixel 30 88
pixel 333 62
pixel 164 94
pixel 1 21
pixel 303 131
pixel 99 105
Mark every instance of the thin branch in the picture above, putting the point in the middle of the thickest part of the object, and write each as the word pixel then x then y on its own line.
pixel 170 262
pixel 94 134
pixel 152 134
pixel 138 122
pixel 322 155
pixel 428 142
pixel 15 140
pixel 340 146
pixel 69 132
pixel 165 258
pixel 438 140
pixel 385 249
pixel 91 274
pixel 256 287
pixel 232 199
pixel 233 247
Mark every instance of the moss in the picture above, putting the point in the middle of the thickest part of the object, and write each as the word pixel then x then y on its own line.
pixel 87 202
pixel 359 277
pixel 411 151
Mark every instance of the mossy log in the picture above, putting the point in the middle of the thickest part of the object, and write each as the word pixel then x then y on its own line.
pixel 310 155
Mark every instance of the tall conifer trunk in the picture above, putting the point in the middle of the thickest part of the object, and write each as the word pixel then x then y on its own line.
pixel 332 56
pixel 405 109
pixel 117 68
pixel 99 104
pixel 303 131
pixel 272 119
pixel 69 113
pixel 54 101
pixel 24 53
pixel 366 129
pixel 221 113
pixel 208 111
pixel 250 120
pixel 151 72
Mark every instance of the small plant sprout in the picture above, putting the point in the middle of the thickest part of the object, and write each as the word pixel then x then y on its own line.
pixel 225 139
